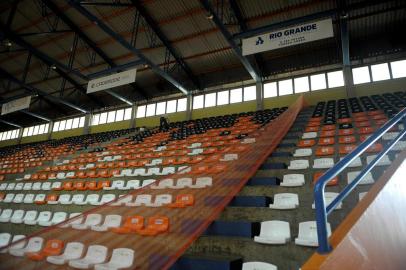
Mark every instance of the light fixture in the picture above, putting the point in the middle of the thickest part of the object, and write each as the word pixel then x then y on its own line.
pixel 146 66
pixel 53 67
pixel 209 16
pixel 7 43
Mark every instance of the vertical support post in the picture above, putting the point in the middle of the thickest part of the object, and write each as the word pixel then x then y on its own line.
pixel 189 106
pixel 86 128
pixel 51 128
pixel 260 94
pixel 133 116
pixel 20 136
pixel 345 48
pixel 321 219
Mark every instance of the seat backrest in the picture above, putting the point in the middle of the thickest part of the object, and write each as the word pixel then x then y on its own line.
pixel 93 219
pixel 6 213
pixel 163 198
pixel 258 266
pixel 92 198
pixel 20 244
pixel 78 198
pixel 30 215
pixel 59 217
pixel 73 250
pixel 96 253
pixel 34 244
pixel 122 257
pixel 18 214
pixel 159 223
pixel 112 220
pixel 44 216
pixel 53 247
pixel 143 198
pixel 4 239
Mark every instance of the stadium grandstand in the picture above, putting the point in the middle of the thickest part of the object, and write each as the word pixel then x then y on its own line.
pixel 202 134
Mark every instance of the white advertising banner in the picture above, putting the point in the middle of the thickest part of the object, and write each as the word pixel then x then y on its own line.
pixel 16 105
pixel 114 80
pixel 291 36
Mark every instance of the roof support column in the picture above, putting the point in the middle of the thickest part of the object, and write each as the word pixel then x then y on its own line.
pixel 259 86
pixel 345 48
pixel 133 116
pixel 189 106
pixel 50 130
pixel 20 135
pixel 88 119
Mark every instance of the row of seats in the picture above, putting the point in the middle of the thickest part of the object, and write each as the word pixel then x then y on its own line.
pixel 74 254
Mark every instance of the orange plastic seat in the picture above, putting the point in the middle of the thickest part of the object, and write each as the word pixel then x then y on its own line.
pixel 68 186
pixel 371 113
pixel 2 195
pixel 182 201
pixel 379 117
pixel 366 130
pixel 197 159
pixel 52 175
pixel 312 129
pixel 327 133
pixel 2 177
pixel 359 114
pixel 101 165
pixel 49 198
pixel 316 119
pixel 104 174
pixel 102 184
pixel 217 168
pixel 326 141
pixel 344 120
pixel 346 132
pixel 34 176
pixel 182 160
pixel 363 124
pixel 380 122
pixel 91 185
pixel 360 119
pixel 91 174
pixel 332 182
pixel 375 148
pixel 80 185
pixel 156 225
pixel 199 169
pixel 213 158
pixel 209 151
pixel 53 247
pixel 345 149
pixel 328 127
pixel 306 143
pixel 346 139
pixel 130 225
pixel 325 151
pixel 313 124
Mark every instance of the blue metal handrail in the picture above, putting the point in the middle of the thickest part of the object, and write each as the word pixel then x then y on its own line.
pixel 321 211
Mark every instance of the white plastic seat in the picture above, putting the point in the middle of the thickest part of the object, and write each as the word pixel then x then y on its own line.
pixel 78 220
pixel 36 186
pixel 19 245
pixel 308 234
pixel 167 171
pixel 195 145
pixel 303 152
pixel 293 180
pixel 30 217
pixel 96 254
pixel 298 164
pixel 161 200
pixel 196 151
pixel 388 136
pixel 142 199
pixel 91 220
pixel 323 163
pixel 116 184
pixel 152 171
pixel 9 198
pixel 367 180
pixel 309 135
pixel 58 217
pixel 361 195
pixel 19 186
pixel 383 162
pixel 164 183
pixel 51 177
pixel 285 201
pixel 147 182
pixel 73 251
pixel 107 198
pixel 64 199
pixel 69 175
pixel 27 186
pixel 356 162
pixel 229 157
pixel 248 140
pixel 328 198
pixel 118 157
pixel 139 172
pixel 34 244
pixel 132 184
pixel 11 186
pixel 43 218
pixel 3 186
pixel 93 199
pixel 17 216
pixel 56 185
pixel 160 148
pixel 46 186
pixel 27 176
pixel 399 146
pixel 183 183
pixel 18 198
pixel 121 258
pixel 41 198
pixel 203 182
pixel 78 199
pixel 5 239
pixel 122 200
pixel 258 266
pixel 61 175
pixel 274 232
pixel 110 221
pixel 154 162
pixel 124 173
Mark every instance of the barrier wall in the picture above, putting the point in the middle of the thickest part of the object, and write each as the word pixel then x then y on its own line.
pixel 373 235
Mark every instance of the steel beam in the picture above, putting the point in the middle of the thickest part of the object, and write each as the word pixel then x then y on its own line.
pixel 105 4
pixel 154 26
pixel 247 65
pixel 115 69
pixel 12 13
pixel 36 115
pixel 10 123
pixel 32 90
pixel 126 44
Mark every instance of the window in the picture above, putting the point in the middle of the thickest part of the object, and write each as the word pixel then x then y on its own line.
pixel 151 109
pixel 270 90
pixel 222 98
pixel 285 87
pixel 119 115
pixel 141 111
pixel 398 69
pixel 250 93
pixel 103 118
pixel 82 121
pixel 25 132
pixel 301 84
pixel 182 104
pixel 127 113
pixel 75 123
pixel 36 129
pixel 56 127
pixel 68 124
pixel 335 79
pixel 8 136
pixel 160 108
pixel 210 100
pixel 236 95
pixel 95 119
pixel 30 131
pixel 361 75
pixel 41 129
pixel 198 102
pixel 46 129
pixel 62 125
pixel 14 133
pixel 318 82
pixel 111 116
pixel 171 106
pixel 380 72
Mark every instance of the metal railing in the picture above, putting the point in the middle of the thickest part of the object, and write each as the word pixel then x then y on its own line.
pixel 321 211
